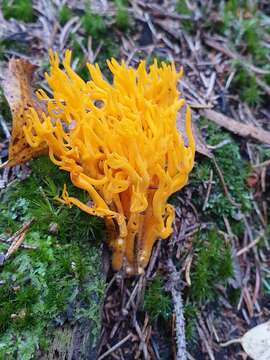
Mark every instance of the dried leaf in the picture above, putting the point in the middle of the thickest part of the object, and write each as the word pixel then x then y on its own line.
pixel 18 91
pixel 253 179
pixel 238 128
pixel 256 342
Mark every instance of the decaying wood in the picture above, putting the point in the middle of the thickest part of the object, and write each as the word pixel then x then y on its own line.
pixel 71 342
pixel 245 130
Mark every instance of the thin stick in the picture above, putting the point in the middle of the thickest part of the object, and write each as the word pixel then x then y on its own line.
pixel 233 341
pixel 22 230
pixel 3 164
pixel 262 164
pixel 24 246
pixel 208 190
pixel 249 246
pixel 238 128
pixel 225 188
pixel 179 325
pixel 172 286
pixel 205 341
pixel 15 245
pixel 116 346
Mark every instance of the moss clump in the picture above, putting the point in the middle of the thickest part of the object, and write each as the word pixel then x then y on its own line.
pixel 93 24
pixel 190 311
pixel 183 9
pixel 64 15
pixel 157 302
pixel 158 58
pixel 9 45
pixel 212 265
pixel 76 43
pixel 108 50
pixel 245 34
pixel 245 83
pixel 234 170
pixel 19 9
pixel 35 197
pixel 122 18
pixel 58 282
pixel 4 108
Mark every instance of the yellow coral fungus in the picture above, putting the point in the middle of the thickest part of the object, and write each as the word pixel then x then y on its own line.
pixel 120 143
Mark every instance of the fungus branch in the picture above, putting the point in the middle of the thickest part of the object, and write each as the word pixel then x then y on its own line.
pixel 120 144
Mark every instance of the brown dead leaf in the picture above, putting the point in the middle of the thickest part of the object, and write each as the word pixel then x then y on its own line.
pixel 253 179
pixel 17 85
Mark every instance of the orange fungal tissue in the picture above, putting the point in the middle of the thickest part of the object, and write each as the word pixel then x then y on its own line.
pixel 120 144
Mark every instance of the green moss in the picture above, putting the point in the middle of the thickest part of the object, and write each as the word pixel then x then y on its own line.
pixel 212 265
pixel 48 182
pixel 158 58
pixel 246 85
pixel 64 15
pixel 9 45
pixel 190 311
pixel 4 107
pixel 157 302
pixel 63 273
pixel 244 33
pixel 266 285
pixel 109 49
pixel 231 6
pixel 234 170
pixel 78 56
pixel 19 9
pixel 183 9
pixel 122 18
pixel 93 24
pixel 266 274
pixel 264 152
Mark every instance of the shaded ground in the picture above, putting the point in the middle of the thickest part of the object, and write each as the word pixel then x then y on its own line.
pixel 218 256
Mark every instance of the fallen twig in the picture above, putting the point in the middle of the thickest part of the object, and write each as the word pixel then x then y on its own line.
pixel 250 245
pixel 205 340
pixel 262 164
pixel 22 230
pixel 223 183
pixel 225 50
pixel 208 190
pixel 15 245
pixel 24 246
pixel 172 286
pixel 16 240
pixel 116 346
pixel 236 127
